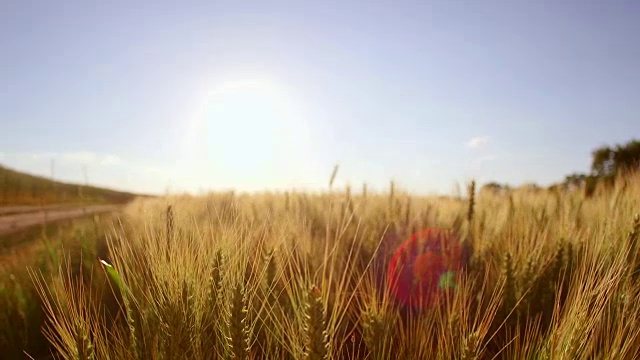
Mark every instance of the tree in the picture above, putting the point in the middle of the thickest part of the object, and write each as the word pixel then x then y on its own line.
pixel 495 188
pixel 627 157
pixel 574 181
pixel 608 161
pixel 603 163
pixel 578 181
pixel 492 186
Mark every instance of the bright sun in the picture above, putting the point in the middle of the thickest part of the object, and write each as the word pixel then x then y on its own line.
pixel 250 135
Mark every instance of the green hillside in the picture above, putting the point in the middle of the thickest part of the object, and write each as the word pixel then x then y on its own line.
pixel 17 188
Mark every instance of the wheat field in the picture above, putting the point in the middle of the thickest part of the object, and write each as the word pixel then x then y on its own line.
pixel 553 274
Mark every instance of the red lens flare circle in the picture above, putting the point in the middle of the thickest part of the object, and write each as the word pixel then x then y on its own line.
pixel 423 269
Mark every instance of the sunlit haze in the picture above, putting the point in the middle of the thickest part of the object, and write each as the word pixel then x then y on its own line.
pixel 212 95
pixel 249 134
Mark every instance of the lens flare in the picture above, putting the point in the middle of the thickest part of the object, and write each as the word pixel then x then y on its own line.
pixel 423 270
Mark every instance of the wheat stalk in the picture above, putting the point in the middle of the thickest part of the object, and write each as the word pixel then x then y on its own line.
pixel 316 337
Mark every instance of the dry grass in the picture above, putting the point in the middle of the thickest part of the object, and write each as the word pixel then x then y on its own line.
pixel 17 188
pixel 292 276
pixel 41 249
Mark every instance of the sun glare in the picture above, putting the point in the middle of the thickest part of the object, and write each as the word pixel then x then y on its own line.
pixel 249 135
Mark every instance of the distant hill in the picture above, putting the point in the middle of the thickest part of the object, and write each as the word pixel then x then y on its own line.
pixel 17 188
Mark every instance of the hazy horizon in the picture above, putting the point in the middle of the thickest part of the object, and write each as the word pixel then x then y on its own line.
pixel 211 95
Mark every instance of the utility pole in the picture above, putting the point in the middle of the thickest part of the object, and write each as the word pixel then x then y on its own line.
pixel 53 184
pixel 86 185
pixel 5 185
pixel 84 173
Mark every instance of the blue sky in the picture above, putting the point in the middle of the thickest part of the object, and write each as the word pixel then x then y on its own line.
pixel 198 95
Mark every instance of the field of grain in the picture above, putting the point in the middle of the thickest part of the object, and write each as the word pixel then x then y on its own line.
pixel 18 188
pixel 40 249
pixel 553 275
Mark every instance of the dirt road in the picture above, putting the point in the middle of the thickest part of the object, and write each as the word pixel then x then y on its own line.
pixel 16 222
pixel 17 209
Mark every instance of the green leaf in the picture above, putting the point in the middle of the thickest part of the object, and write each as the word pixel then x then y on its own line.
pixel 113 274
